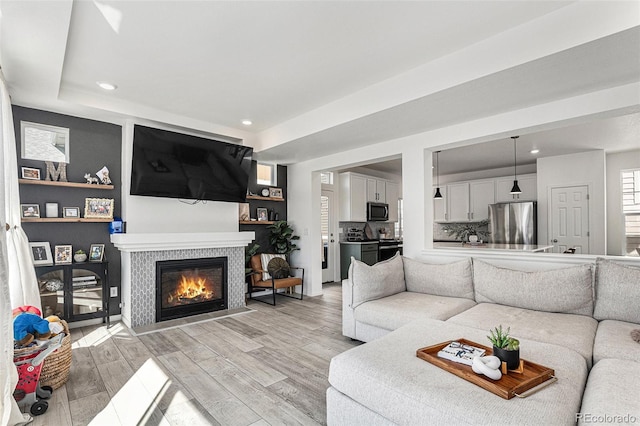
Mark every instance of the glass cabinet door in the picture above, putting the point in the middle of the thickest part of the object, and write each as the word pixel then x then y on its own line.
pixel 51 285
pixel 86 293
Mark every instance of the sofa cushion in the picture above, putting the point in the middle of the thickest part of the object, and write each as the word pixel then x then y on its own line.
pixel 575 332
pixel 567 290
pixel 611 394
pixel 449 279
pixel 399 309
pixel 373 282
pixel 617 292
pixel 613 340
pixel 387 377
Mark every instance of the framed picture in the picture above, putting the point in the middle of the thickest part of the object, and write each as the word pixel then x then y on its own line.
pixel 262 213
pixel 41 253
pixel 101 208
pixel 243 212
pixel 30 173
pixel 71 212
pixel 275 192
pixel 96 253
pixel 29 210
pixel 63 254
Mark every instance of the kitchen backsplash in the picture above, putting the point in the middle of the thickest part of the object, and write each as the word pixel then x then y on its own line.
pixel 376 227
pixel 439 234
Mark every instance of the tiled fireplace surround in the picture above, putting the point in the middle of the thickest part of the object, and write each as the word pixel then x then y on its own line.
pixel 140 252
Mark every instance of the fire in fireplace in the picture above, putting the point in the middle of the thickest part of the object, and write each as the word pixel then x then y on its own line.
pixel 190 286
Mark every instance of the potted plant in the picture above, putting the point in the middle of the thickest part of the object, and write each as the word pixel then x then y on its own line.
pixel 462 231
pixel 282 238
pixel 249 251
pixel 505 347
pixel 80 256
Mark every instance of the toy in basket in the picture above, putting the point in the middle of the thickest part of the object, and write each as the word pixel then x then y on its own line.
pixel 29 364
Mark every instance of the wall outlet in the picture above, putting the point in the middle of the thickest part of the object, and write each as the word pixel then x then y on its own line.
pixel 113 291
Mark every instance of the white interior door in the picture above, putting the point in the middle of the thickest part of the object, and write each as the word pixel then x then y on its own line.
pixel 570 219
pixel 329 241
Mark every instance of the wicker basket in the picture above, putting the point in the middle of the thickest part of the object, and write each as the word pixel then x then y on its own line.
pixel 55 370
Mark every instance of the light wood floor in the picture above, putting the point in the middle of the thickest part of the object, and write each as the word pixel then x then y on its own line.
pixel 264 367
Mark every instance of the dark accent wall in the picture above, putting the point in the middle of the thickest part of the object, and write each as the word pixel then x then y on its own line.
pixel 93 144
pixel 262 233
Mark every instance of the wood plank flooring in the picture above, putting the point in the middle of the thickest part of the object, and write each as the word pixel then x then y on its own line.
pixel 267 367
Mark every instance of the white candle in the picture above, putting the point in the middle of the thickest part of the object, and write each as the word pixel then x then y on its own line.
pixel 51 209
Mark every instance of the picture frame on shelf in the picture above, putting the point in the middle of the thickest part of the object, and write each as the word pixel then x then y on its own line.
pixel 275 192
pixel 96 253
pixel 30 173
pixel 29 211
pixel 243 212
pixel 41 253
pixel 262 214
pixel 98 208
pixel 63 254
pixel 71 212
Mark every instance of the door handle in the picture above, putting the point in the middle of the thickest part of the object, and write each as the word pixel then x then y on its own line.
pixel 333 241
pixel 554 240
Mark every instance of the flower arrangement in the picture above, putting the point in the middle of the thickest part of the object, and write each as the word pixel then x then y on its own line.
pixel 461 231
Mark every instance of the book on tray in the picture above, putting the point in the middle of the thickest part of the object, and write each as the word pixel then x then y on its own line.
pixel 459 352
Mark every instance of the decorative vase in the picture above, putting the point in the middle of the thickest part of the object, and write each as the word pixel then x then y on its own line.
pixel 512 358
pixel 473 238
pixel 80 257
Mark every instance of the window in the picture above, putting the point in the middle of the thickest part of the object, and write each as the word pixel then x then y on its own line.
pixel 400 223
pixel 266 174
pixel 326 177
pixel 631 210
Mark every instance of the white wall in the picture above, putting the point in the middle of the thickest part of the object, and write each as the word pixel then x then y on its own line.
pixel 617 162
pixel 587 168
pixel 151 214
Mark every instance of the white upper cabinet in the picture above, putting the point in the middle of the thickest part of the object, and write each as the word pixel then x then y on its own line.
pixel 353 198
pixel 481 194
pixel 527 183
pixel 458 202
pixel 376 190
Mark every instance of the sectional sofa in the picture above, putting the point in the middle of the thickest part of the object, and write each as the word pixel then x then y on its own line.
pixel 577 319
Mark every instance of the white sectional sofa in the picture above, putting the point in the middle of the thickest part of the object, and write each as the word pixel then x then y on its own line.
pixel 576 319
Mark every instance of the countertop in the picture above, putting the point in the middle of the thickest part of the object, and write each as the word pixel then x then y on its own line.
pixel 531 248
pixel 359 242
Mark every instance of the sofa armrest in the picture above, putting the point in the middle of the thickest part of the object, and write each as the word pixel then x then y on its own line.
pixel 348 318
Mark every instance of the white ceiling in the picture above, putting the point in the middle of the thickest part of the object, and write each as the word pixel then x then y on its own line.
pixel 207 65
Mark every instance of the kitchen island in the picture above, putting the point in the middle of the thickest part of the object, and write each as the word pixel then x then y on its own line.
pixel 528 248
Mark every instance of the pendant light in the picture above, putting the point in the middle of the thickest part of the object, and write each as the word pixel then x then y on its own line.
pixel 516 188
pixel 438 194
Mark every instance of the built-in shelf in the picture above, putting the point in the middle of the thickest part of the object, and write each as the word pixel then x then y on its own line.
pixel 257 222
pixel 258 197
pixel 65 184
pixel 65 219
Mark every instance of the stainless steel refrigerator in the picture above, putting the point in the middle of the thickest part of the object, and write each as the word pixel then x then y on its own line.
pixel 513 223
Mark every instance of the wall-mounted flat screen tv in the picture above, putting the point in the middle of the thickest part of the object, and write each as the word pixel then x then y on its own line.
pixel 175 165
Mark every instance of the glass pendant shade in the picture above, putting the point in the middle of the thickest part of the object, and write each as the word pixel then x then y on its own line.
pixel 515 189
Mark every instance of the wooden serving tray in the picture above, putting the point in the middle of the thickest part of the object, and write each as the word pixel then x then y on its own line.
pixel 510 385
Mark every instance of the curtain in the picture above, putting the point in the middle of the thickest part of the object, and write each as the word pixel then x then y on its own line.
pixel 16 266
pixel 23 284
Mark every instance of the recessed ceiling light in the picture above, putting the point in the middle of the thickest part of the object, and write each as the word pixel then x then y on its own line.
pixel 106 86
pixel 247 122
pixel 535 151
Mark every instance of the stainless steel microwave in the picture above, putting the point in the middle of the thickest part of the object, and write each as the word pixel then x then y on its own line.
pixel 377 212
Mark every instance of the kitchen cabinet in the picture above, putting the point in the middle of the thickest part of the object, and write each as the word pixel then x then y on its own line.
pixel 353 197
pixel 440 205
pixel 376 190
pixel 527 183
pixel 366 252
pixel 481 194
pixel 458 202
pixel 392 195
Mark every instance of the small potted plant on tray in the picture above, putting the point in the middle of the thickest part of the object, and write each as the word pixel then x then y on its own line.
pixel 505 347
pixel 80 256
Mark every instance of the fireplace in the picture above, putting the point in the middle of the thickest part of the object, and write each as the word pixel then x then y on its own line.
pixel 190 286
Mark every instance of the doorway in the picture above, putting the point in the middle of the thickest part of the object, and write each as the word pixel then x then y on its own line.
pixel 570 219
pixel 327 230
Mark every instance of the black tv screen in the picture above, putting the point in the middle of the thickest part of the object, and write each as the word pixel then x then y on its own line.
pixel 175 165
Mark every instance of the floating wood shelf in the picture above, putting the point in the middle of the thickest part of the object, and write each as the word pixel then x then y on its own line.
pixel 257 197
pixel 256 222
pixel 65 219
pixel 65 184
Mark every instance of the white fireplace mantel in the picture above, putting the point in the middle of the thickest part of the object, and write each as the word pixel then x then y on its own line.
pixel 176 241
